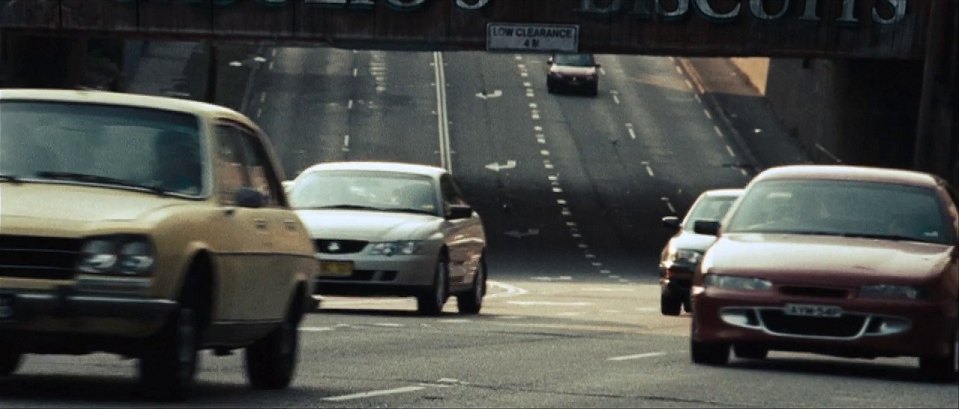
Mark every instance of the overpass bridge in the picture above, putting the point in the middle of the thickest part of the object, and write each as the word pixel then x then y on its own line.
pixel 888 42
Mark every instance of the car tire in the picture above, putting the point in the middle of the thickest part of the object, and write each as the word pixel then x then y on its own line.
pixel 10 360
pixel 709 353
pixel 550 88
pixel 594 91
pixel 471 302
pixel 271 361
pixel 750 351
pixel 168 367
pixel 431 303
pixel 688 304
pixel 669 303
pixel 941 368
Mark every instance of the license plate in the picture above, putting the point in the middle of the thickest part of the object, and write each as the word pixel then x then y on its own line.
pixel 808 310
pixel 6 308
pixel 336 268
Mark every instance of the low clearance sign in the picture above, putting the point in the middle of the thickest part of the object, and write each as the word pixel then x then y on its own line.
pixel 888 29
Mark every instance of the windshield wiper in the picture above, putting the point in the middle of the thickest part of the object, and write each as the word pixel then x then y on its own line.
pixel 407 210
pixel 83 177
pixel 341 207
pixel 881 236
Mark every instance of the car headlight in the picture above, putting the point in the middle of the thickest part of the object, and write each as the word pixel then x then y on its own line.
pixel 389 248
pixel 737 283
pixel 684 256
pixel 122 254
pixel 882 291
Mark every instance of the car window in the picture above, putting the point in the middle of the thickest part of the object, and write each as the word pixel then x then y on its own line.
pixel 102 144
pixel 847 208
pixel 708 208
pixel 578 60
pixel 364 190
pixel 262 175
pixel 451 192
pixel 231 174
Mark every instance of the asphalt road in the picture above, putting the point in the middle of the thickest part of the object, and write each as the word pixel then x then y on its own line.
pixel 571 189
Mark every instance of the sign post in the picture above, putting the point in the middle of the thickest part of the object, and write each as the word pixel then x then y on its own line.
pixel 532 37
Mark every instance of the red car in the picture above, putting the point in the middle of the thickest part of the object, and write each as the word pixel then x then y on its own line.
pixel 839 260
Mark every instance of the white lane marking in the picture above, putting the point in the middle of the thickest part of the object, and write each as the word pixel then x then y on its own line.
pixel 577 235
pixel 609 290
pixel 597 264
pixel 632 133
pixel 388 325
pixel 669 205
pixel 524 74
pixel 519 57
pixel 698 99
pixel 370 394
pixel 689 84
pixel 316 329
pixel 557 190
pixel 271 65
pixel 542 141
pixel 560 201
pixel 259 111
pixel 521 66
pixel 356 71
pixel 552 303
pixel 510 290
pixel 672 59
pixel 584 246
pixel 456 320
pixel 544 152
pixel 590 256
pixel 679 70
pixel 349 105
pixel 262 97
pixel 538 128
pixel 534 115
pixel 346 142
pixel 637 356
pixel 602 70
pixel 616 99
pixel 273 53
pixel 571 224
pixel 548 166
pixel 443 122
pixel 718 131
pixel 649 170
pixel 730 150
pixel 533 105
pixel 614 277
pixel 708 115
pixel 605 271
pixel 743 171
pixel 566 212
pixel 527 84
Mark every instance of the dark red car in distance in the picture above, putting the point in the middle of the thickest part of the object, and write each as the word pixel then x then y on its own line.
pixel 839 260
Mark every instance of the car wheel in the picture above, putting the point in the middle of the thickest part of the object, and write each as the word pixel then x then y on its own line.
pixel 669 303
pixel 750 351
pixel 941 368
pixel 594 91
pixel 471 302
pixel 550 88
pixel 688 304
pixel 271 361
pixel 709 353
pixel 167 369
pixel 9 360
pixel 432 302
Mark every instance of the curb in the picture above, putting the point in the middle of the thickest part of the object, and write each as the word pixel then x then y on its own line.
pixel 713 104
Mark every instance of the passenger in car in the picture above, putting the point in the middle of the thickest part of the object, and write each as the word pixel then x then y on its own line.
pixel 178 162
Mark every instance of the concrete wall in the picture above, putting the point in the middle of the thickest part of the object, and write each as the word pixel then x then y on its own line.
pixel 844 111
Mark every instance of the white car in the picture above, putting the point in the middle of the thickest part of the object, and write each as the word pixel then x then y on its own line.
pixel 393 229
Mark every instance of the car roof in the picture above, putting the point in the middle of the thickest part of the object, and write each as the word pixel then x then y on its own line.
pixel 723 193
pixel 394 167
pixel 124 99
pixel 851 173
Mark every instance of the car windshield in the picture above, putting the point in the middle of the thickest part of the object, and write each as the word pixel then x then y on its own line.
pixel 364 191
pixel 843 208
pixel 102 144
pixel 708 208
pixel 577 60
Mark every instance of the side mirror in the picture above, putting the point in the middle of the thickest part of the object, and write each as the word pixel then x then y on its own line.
pixel 549 61
pixel 671 222
pixel 249 197
pixel 459 212
pixel 599 66
pixel 707 227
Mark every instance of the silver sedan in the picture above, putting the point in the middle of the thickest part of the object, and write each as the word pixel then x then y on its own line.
pixel 393 229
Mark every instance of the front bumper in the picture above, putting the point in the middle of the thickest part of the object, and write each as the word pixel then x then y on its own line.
pixel 66 311
pixel 379 275
pixel 864 328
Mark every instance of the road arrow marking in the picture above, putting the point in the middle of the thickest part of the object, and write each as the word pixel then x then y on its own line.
pixel 483 95
pixel 496 167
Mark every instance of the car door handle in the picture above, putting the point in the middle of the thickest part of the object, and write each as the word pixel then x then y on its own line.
pixel 290 225
pixel 260 223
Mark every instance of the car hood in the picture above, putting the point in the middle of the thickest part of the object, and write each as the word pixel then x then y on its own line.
pixel 65 205
pixel 571 70
pixel 827 259
pixel 367 225
pixel 688 240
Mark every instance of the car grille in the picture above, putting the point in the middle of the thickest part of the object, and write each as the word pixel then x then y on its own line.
pixel 846 326
pixel 327 246
pixel 38 257
pixel 818 292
